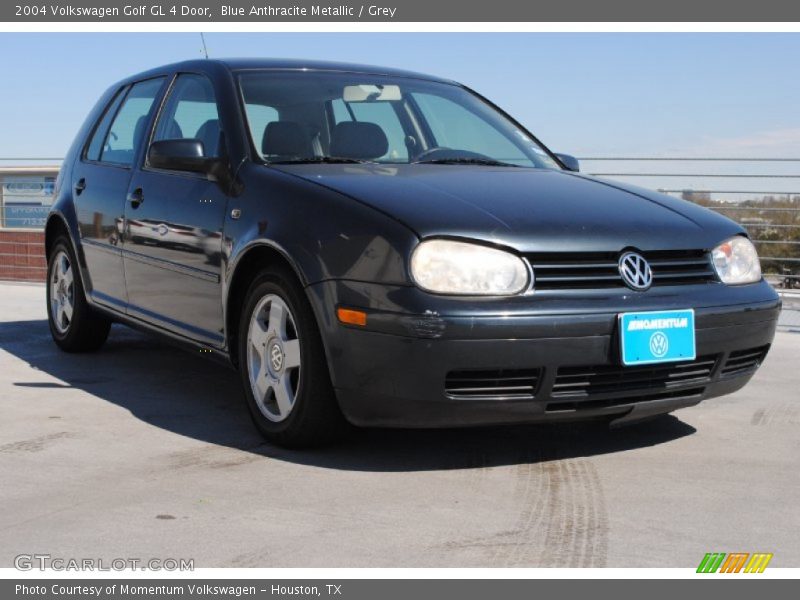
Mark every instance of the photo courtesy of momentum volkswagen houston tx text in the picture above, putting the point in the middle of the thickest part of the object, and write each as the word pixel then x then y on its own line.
pixel 384 248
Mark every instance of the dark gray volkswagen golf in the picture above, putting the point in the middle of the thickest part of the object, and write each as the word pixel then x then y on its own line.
pixel 386 248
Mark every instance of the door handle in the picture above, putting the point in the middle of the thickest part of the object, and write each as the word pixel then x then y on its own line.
pixel 80 186
pixel 136 197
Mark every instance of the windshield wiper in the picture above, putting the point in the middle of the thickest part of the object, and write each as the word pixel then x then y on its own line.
pixel 487 162
pixel 320 159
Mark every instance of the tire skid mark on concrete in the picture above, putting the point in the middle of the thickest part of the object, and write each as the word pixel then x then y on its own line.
pixel 532 482
pixel 36 444
pixel 562 520
pixel 213 457
pixel 257 558
pixel 596 527
pixel 779 414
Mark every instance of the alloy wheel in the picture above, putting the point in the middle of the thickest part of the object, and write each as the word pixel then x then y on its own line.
pixel 62 292
pixel 273 355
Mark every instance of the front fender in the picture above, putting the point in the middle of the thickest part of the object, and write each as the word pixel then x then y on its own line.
pixel 323 234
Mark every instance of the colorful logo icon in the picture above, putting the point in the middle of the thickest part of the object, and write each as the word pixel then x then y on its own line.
pixel 735 562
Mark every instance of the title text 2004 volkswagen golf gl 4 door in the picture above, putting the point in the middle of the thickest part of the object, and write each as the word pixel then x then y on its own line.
pixel 391 249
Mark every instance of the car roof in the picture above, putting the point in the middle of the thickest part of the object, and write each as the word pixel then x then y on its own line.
pixel 239 64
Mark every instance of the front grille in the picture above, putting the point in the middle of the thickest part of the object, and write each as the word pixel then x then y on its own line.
pixel 591 270
pixel 742 361
pixel 583 382
pixel 506 384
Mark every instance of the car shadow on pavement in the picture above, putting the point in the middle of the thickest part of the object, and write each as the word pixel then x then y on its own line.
pixel 191 396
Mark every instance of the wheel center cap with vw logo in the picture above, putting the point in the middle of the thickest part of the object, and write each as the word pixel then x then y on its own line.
pixel 276 357
pixel 635 271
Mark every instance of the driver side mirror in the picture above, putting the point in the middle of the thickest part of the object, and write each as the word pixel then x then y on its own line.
pixel 182 155
pixel 188 155
pixel 570 162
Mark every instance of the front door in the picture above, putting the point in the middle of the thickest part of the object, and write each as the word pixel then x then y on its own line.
pixel 173 224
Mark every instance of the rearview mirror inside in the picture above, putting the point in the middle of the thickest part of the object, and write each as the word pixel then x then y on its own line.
pixel 367 92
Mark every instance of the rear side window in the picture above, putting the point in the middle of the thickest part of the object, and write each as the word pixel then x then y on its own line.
pixel 128 128
pixel 191 113
pixel 95 147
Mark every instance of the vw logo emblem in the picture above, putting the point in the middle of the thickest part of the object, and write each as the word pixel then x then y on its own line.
pixel 276 357
pixel 659 344
pixel 635 271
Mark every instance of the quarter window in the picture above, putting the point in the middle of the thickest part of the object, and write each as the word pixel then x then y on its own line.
pixel 95 148
pixel 191 113
pixel 128 129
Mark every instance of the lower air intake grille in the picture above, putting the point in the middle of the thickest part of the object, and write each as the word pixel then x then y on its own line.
pixel 742 361
pixel 569 406
pixel 506 384
pixel 593 270
pixel 604 379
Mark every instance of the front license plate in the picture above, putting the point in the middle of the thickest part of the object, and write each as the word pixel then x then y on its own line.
pixel 655 337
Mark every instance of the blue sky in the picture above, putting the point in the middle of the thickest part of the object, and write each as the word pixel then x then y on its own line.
pixel 586 94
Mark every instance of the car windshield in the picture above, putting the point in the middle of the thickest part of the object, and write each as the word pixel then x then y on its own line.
pixel 336 117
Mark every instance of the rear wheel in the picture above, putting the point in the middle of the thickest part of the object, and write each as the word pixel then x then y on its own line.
pixel 283 367
pixel 75 327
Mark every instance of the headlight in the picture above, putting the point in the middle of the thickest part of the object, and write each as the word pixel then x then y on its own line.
pixel 736 261
pixel 450 267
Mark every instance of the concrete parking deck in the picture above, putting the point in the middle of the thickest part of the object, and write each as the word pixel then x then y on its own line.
pixel 145 451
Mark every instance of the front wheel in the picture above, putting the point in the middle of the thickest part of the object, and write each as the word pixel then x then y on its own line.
pixel 75 327
pixel 283 367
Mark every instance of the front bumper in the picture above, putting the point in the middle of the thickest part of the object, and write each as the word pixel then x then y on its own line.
pixel 408 367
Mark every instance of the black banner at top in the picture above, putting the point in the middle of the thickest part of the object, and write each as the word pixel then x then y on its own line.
pixel 398 11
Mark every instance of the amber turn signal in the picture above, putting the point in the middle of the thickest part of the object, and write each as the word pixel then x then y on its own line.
pixel 349 316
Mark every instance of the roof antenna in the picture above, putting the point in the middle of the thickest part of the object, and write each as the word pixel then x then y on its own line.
pixel 205 49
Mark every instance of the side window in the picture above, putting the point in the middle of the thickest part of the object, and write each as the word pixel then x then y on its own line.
pixel 191 113
pixel 95 147
pixel 129 126
pixel 382 114
pixel 455 127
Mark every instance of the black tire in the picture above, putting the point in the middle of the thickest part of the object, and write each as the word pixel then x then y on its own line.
pixel 86 330
pixel 315 417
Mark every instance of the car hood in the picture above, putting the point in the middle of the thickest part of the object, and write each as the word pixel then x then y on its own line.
pixel 532 210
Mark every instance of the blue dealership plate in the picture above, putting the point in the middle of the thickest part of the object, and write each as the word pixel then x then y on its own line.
pixel 656 337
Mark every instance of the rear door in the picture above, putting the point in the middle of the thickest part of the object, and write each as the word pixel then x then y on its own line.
pixel 101 178
pixel 174 223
